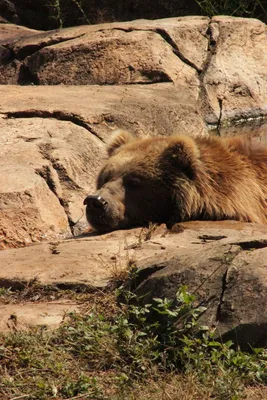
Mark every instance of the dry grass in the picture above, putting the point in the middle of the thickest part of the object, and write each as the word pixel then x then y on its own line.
pixel 172 387
pixel 258 392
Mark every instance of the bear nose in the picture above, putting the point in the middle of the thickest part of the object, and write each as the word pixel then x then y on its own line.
pixel 95 202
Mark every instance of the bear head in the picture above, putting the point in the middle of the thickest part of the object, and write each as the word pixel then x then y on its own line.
pixel 144 180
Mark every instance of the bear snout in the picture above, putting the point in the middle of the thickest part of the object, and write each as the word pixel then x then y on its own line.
pixel 96 203
pixel 104 213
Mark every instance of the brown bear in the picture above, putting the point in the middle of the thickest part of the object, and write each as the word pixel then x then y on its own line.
pixel 178 178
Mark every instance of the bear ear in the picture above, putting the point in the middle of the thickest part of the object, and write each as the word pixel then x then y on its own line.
pixel 118 138
pixel 182 154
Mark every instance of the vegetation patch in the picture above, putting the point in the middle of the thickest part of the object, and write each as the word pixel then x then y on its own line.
pixel 122 350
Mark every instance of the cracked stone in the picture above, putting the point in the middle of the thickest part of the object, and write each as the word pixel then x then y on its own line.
pixel 106 59
pixel 226 276
pixel 11 32
pixel 44 179
pixel 238 60
pixel 110 53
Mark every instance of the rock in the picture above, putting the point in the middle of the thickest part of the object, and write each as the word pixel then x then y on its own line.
pixel 118 53
pixel 100 109
pixel 235 75
pixel 203 58
pixel 11 67
pixel 90 261
pixel 17 317
pixel 224 265
pixel 10 33
pixel 47 170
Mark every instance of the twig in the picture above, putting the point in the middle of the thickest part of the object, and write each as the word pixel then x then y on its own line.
pixel 77 397
pixel 20 397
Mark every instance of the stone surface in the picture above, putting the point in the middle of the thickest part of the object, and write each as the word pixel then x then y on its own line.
pixel 89 261
pixel 134 52
pixel 10 33
pixel 47 169
pixel 9 66
pixel 224 265
pixel 235 75
pixel 143 109
pixel 26 315
pixel 220 63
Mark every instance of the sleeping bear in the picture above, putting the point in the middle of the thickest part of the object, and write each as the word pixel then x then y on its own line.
pixel 179 178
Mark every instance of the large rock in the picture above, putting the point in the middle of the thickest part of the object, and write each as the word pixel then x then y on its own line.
pixel 224 265
pixel 86 262
pixel 10 33
pixel 134 52
pixel 28 315
pixel 46 171
pixel 219 64
pixel 235 74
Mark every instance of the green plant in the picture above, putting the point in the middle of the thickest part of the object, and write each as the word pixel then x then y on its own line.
pixel 56 12
pixel 241 8
pixel 100 355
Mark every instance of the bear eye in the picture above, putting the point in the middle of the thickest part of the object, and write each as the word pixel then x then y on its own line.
pixel 102 179
pixel 132 182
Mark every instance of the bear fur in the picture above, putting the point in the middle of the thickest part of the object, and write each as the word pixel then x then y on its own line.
pixel 178 178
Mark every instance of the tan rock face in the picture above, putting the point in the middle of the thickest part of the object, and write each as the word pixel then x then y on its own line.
pixel 220 63
pixel 111 57
pixel 224 265
pixel 11 32
pixel 235 77
pixel 43 178
pixel 134 52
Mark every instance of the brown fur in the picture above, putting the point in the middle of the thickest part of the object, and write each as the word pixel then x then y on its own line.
pixel 177 178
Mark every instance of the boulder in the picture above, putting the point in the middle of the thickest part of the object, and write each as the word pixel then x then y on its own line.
pixel 46 171
pixel 224 265
pixel 10 33
pixel 235 74
pixel 218 63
